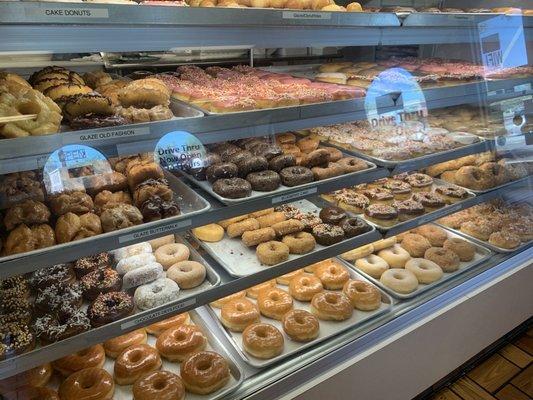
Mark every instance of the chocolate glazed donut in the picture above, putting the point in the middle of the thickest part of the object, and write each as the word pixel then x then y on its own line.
pixel 264 181
pixel 297 175
pixel 199 173
pixel 233 188
pixel 282 161
pixel 221 171
pixel 353 227
pixel 252 164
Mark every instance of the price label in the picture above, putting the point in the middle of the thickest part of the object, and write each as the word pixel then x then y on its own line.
pixel 67 12
pixel 296 195
pixel 153 315
pixel 118 133
pixel 154 231
pixel 305 15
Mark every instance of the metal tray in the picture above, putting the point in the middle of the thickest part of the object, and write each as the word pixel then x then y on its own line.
pixel 190 203
pixel 482 254
pixel 492 188
pixel 214 344
pixel 240 260
pixel 208 187
pixel 327 328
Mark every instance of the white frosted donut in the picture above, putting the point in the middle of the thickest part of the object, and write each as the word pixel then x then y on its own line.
pixel 158 242
pixel 143 275
pixel 372 265
pixel 132 250
pixel 396 256
pixel 399 280
pixel 156 293
pixel 130 263
pixel 187 274
pixel 426 271
pixel 172 253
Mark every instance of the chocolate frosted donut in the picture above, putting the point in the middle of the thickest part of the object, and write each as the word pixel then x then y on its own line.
pixel 429 200
pixel 264 181
pixel 227 152
pixel 232 188
pixel 156 208
pixel 297 175
pixel 53 297
pixel 266 150
pixel 327 234
pixel 252 164
pixel 309 220
pixel 282 161
pixel 88 264
pixel 317 158
pixel 60 273
pixel 199 173
pixel 239 157
pixel 221 171
pixel 332 215
pixel 100 281
pixel 109 307
pixel 353 226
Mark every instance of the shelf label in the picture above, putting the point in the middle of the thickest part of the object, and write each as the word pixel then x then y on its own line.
pixel 68 12
pixel 154 231
pixel 296 195
pixel 151 316
pixel 118 133
pixel 305 15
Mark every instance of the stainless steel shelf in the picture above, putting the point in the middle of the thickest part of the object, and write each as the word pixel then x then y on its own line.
pixel 464 20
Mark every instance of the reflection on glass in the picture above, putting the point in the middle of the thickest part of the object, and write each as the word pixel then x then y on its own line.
pixel 180 150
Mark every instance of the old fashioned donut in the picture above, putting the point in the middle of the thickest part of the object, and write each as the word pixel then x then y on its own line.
pixel 264 181
pixel 271 219
pixel 472 177
pixel 161 385
pixel 176 344
pixel 209 233
pixel 187 274
pixel 253 238
pixel 156 293
pixel 363 295
pixel 238 313
pixel 205 372
pixel 232 188
pixel 415 244
pixel 172 253
pixel 238 228
pixel 262 340
pixel 332 275
pixel 399 280
pixel 372 265
pixel 272 252
pixel 446 259
pixel 395 256
pixel 331 306
pixel 426 271
pixel 299 242
pixel 274 303
pixel 300 325
pixel 88 383
pixel 434 234
pixel 134 362
pixel 465 250
pixel 114 346
pixel 93 356
pixel 296 175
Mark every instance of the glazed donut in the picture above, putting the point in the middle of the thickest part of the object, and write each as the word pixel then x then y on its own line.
pixel 395 256
pixel 358 253
pixel 465 250
pixel 477 229
pixel 372 265
pixel 134 362
pixel 142 275
pixel 114 346
pixel 158 327
pixel 415 244
pixel 434 234
pixel 238 228
pixel 156 293
pixel 176 344
pixel 274 303
pixel 299 242
pixel 187 274
pixel 172 253
pixel 253 292
pixel 272 252
pixel 209 233
pixel 282 161
pixel 426 271
pixel 399 280
pixel 93 356
pixel 205 372
pixel 109 307
pixel 238 313
pixel 296 175
pixel 253 238
pixel 332 275
pixel 264 181
pixel 262 341
pixel 224 170
pixel 363 295
pixel 472 178
pixel 270 219
pixel 300 325
pixel 446 259
pixel 158 242
pixel 220 302
pixel 161 385
pixel 286 279
pixel 89 383
pixel 232 188
pixel 331 306
pixel 131 263
pixel 304 287
pixel 35 377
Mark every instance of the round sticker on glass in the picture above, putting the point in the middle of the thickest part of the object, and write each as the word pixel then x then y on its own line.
pixel 72 167
pixel 180 151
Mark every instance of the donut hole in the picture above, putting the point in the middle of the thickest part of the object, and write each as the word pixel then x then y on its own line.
pixel 135 356
pixel 160 384
pixel 27 108
pixel 204 365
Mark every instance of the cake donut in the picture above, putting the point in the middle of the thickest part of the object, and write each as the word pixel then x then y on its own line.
pixel 282 161
pixel 270 219
pixel 238 228
pixel 253 238
pixel 176 344
pixel 262 341
pixel 274 303
pixel 272 252
pixel 156 293
pixel 88 264
pixel 187 274
pixel 209 233
pixel 264 181
pixel 133 250
pixel 221 171
pixel 426 271
pixel 205 372
pixel 328 234
pixel 331 306
pixel 415 244
pixel 232 188
pixel 446 259
pixel 372 265
pixel 134 362
pixel 434 234
pixel 296 175
pixel 299 242
pixel 396 256
pixel 100 281
pixel 142 275
pixel 172 253
pixel 399 280
pixel 465 250
pixel 363 295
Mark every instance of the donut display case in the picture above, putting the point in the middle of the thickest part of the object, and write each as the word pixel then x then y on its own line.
pixel 260 199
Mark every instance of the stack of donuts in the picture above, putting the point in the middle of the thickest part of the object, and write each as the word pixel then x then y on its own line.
pixel 142 363
pixel 278 232
pixel 89 204
pixel 389 201
pixel 480 171
pixel 418 257
pixel 503 225
pixel 320 292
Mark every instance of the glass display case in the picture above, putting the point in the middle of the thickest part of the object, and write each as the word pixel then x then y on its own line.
pixel 260 199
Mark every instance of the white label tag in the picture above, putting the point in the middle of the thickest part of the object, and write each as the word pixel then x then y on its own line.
pixel 125 132
pixel 155 314
pixel 296 195
pixel 154 231
pixel 68 12
pixel 522 88
pixel 305 15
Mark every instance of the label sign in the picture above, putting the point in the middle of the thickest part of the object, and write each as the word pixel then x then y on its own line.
pixel 68 12
pixel 155 314
pixel 119 133
pixel 154 231
pixel 180 150
pixel 290 196
pixel 305 15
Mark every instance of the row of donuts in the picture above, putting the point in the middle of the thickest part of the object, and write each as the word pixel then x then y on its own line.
pixel 399 198
pixel 143 362
pixel 326 293
pixel 283 230
pixel 419 256
pixel 48 304
pixel 90 203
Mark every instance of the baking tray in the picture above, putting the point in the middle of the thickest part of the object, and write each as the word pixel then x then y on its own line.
pixel 208 187
pixel 214 344
pixel 477 192
pixel 327 328
pixel 190 203
pixel 239 260
pixel 482 254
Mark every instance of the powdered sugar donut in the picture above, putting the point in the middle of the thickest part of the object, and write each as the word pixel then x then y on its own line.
pixel 132 250
pixel 130 263
pixel 143 275
pixel 156 293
